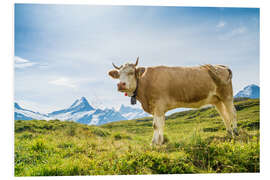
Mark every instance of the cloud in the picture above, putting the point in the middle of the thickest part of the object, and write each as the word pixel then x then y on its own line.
pixel 221 24
pixel 64 81
pixel 22 63
pixel 233 33
pixel 73 82
pixel 239 30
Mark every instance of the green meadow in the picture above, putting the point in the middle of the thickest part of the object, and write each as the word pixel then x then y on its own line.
pixel 195 142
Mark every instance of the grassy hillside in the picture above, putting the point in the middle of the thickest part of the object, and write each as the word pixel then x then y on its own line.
pixel 196 142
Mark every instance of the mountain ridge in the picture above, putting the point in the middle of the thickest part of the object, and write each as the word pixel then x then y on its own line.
pixel 251 91
pixel 78 106
pixel 82 112
pixel 132 113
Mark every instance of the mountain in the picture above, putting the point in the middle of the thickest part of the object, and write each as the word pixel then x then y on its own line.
pixel 80 105
pixel 25 114
pixel 106 116
pixel 251 91
pixel 132 113
pixel 80 111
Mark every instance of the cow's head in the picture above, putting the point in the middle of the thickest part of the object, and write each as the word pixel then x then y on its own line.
pixel 128 75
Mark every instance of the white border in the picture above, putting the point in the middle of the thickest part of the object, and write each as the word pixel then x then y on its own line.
pixel 205 3
pixel 7 51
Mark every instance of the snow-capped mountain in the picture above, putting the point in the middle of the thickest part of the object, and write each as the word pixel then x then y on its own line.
pixel 105 116
pixel 25 114
pixel 132 113
pixel 80 111
pixel 80 105
pixel 251 91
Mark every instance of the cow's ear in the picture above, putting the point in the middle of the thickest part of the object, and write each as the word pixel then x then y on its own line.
pixel 114 74
pixel 140 71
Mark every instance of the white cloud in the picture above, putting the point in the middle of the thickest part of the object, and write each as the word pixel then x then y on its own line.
pixel 221 24
pixel 239 30
pixel 64 81
pixel 22 63
pixel 233 33
pixel 72 82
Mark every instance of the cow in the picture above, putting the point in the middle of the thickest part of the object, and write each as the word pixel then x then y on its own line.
pixel 162 88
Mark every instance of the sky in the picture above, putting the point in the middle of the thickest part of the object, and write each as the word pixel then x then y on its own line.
pixel 64 52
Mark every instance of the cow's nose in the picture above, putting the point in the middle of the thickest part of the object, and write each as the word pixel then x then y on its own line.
pixel 121 84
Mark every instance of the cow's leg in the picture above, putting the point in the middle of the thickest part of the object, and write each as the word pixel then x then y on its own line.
pixel 158 125
pixel 224 115
pixel 232 115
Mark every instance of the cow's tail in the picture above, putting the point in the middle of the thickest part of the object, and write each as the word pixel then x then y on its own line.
pixel 216 76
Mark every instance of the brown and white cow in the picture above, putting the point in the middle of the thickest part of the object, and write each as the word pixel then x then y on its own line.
pixel 162 88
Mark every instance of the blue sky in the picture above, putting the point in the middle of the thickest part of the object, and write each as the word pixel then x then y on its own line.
pixel 63 52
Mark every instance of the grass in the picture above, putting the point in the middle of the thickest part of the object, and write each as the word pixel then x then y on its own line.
pixel 196 142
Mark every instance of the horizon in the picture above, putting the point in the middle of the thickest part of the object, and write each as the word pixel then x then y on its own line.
pixel 121 105
pixel 63 52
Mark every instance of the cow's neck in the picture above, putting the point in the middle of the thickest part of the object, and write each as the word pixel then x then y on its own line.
pixel 141 95
pixel 134 96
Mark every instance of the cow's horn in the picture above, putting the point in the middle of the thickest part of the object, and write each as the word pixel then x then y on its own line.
pixel 116 67
pixel 137 61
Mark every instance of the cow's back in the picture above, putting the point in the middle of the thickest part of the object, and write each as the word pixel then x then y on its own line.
pixel 173 87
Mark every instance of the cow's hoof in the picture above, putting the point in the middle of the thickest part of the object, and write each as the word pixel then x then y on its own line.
pixel 154 143
pixel 235 131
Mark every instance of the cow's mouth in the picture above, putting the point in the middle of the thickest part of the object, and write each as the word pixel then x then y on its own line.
pixel 121 86
pixel 122 90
